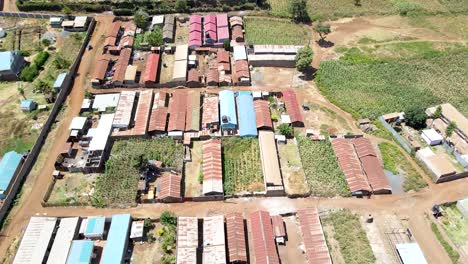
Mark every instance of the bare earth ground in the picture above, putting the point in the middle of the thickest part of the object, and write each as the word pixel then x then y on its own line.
pixel 411 206
pixel 192 171
pixel 291 169
pixel 291 252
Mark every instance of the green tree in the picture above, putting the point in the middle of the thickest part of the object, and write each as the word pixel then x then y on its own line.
pixel 450 129
pixel 323 30
pixel 42 87
pixel 168 218
pixel 416 117
pixel 168 259
pixel 286 130
pixel 151 237
pixel 298 10
pixel 304 59
pixel 45 42
pixel 226 45
pixel 141 18
pixel 438 112
pixel 155 38
pixel 148 223
pixel 29 73
pixel 181 5
pixel 66 10
pixel 60 62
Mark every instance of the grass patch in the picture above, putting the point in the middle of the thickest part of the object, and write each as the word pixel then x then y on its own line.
pixel 242 167
pixel 262 30
pixel 321 168
pixel 353 243
pixel 455 225
pixel 381 131
pixel 395 162
pixel 451 252
pixel 369 87
pixel 123 168
pixel 291 168
pixel 457 6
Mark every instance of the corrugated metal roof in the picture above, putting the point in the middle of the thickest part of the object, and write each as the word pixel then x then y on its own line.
pixel 95 226
pixel 193 76
pixel 192 117
pixel 121 65
pixel 239 53
pixel 187 240
pixel 8 165
pixel 241 68
pixel 212 167
pixel 312 233
pixel 410 253
pixel 227 109
pixel 181 53
pixel 102 132
pixel 236 20
pixel 186 256
pixel 159 112
pixel 263 241
pixel 246 113
pixel 177 111
pixel 222 20
pixel 66 232
pixel 270 162
pixel 152 66
pixel 195 19
pixel 81 252
pixel 180 71
pixel 168 29
pixel 262 114
pixel 214 249
pixel 33 246
pixel 278 226
pixel 124 110
pixel 236 237
pixel 60 78
pixel 210 110
pixel 237 32
pixel 142 113
pixel 116 244
pixel 101 68
pixel 170 186
pixel 102 101
pixel 292 106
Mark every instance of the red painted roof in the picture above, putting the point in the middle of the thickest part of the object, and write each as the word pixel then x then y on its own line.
pixel 236 237
pixel 209 19
pixel 114 29
pixel 371 165
pixel 312 233
pixel 212 166
pixel 177 109
pixel 101 68
pixel 195 19
pixel 159 111
pixel 278 226
pixel 223 34
pixel 242 69
pixel 292 106
pixel 350 165
pixel 195 43
pixel 262 238
pixel 262 114
pixel 223 56
pixel 222 20
pixel 212 76
pixel 152 65
pixel 121 66
pixel 170 186
pixel 210 110
pixel 195 28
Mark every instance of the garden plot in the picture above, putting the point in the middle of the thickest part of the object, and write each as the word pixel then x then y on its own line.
pixel 261 30
pixel 242 167
pixel 321 168
pixel 456 226
pixel 193 170
pixel 73 189
pixel 325 120
pixel 123 168
pixel 291 168
pixel 167 68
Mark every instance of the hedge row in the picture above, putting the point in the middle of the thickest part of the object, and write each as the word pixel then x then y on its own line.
pixel 27 6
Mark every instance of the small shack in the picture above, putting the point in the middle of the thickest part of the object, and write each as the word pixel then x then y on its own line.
pixel 431 137
pixel 95 227
pixel 59 81
pixel 136 232
pixel 278 229
pixel 9 167
pixel 28 105
pixel 81 252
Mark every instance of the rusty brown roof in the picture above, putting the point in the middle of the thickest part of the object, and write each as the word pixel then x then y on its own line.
pixel 193 76
pixel 312 233
pixel 237 32
pixel 141 116
pixel 278 226
pixel 262 114
pixel 223 56
pixel 212 76
pixel 212 167
pixel 101 68
pixel 236 237
pixel 192 116
pixel 159 112
pixel 170 186
pixel 263 241
pixel 210 110
pixel 242 69
pixel 177 111
pixel 121 66
pixel 292 106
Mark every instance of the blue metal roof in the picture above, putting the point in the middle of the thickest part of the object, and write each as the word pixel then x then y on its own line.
pixel 117 239
pixel 26 103
pixel 247 123
pixel 58 82
pixel 80 252
pixel 10 162
pixel 95 226
pixel 6 59
pixel 227 109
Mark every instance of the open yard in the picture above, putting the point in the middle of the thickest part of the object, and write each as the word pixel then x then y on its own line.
pixel 347 240
pixel 123 168
pixel 262 30
pixel 321 168
pixel 193 188
pixel 291 168
pixel 242 168
pixel 73 189
pixel 395 162
pixel 455 225
pixel 368 86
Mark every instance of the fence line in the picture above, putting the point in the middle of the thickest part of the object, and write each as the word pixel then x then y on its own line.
pixel 29 15
pixel 34 153
pixel 395 135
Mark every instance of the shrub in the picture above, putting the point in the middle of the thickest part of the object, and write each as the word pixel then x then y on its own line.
pixel 41 58
pixel 285 130
pixel 29 73
pixel 141 19
pixel 122 11
pixel 25 53
pixel 154 38
pixel 168 218
pixel 304 59
pixel 450 128
pixel 416 117
pixel 60 62
pixel 181 5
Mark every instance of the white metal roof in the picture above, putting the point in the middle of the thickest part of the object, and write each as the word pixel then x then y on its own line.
pixel 80 21
pixel 285 119
pixel 410 253
pixel 78 123
pixel 33 246
pixel 213 230
pixel 103 101
pixel 212 186
pixel 181 52
pixel 137 229
pixel 180 70
pixel 123 113
pixel 103 130
pixel 86 103
pixel 432 135
pixel 65 234
pixel 239 53
pixel 157 20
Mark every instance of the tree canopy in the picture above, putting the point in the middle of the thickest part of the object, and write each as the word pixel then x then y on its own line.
pixel 323 30
pixel 141 19
pixel 285 130
pixel 304 59
pixel 416 117
pixel 298 10
pixel 155 37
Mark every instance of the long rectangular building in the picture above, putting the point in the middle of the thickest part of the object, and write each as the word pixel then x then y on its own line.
pixel 237 248
pixel 227 106
pixel 187 240
pixel 212 167
pixel 124 110
pixel 210 118
pixel 262 114
pixel 177 111
pixel 312 233
pixel 159 112
pixel 292 108
pixel 117 239
pixel 192 118
pixel 262 238
pixel 66 233
pixel 246 114
pixel 214 247
pixel 270 163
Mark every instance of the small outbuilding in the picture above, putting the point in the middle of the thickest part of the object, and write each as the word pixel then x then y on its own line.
pixel 11 64
pixel 410 253
pixel 81 252
pixel 136 232
pixel 9 166
pixel 95 227
pixel 59 81
pixel 431 137
pixel 28 105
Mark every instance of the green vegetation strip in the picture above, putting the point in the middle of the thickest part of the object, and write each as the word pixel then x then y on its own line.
pixel 367 86
pixel 395 162
pixel 242 167
pixel 118 185
pixel 352 239
pixel 321 168
pixel 262 30
pixel 452 253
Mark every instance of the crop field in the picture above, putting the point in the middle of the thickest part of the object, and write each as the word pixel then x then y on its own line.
pixel 321 168
pixel 367 86
pixel 123 168
pixel 395 162
pixel 262 30
pixel 291 169
pixel 242 167
pixel 345 228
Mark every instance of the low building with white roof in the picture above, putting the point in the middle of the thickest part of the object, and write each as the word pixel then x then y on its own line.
pixel 66 233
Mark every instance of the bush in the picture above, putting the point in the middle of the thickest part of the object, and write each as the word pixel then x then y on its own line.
pixel 29 73
pixel 154 38
pixel 41 58
pixel 141 19
pixel 285 130
pixel 181 5
pixel 416 117
pixel 25 53
pixel 168 218
pixel 122 11
pixel 304 59
pixel 60 62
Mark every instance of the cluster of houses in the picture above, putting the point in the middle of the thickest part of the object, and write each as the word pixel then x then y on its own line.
pixel 74 24
pixel 78 240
